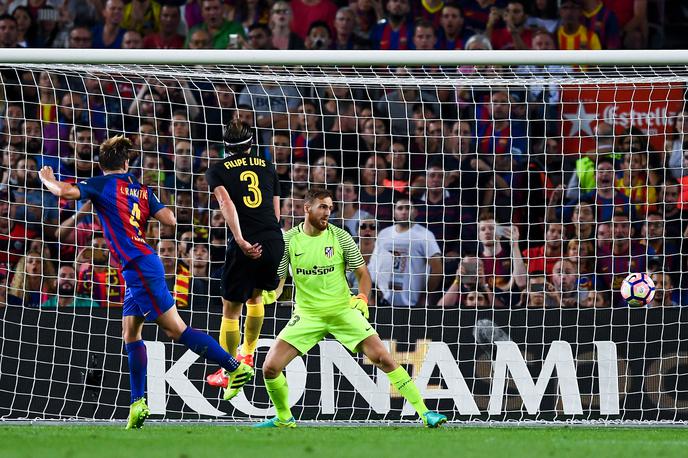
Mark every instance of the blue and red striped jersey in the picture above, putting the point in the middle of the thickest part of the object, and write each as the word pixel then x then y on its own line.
pixel 123 206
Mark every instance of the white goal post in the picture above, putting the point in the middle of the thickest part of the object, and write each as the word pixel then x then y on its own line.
pixel 537 182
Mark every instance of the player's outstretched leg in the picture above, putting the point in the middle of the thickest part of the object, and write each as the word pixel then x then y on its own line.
pixel 280 354
pixel 138 365
pixel 202 344
pixel 375 350
pixel 229 339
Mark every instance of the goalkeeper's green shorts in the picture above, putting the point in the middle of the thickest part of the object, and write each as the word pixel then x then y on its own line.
pixel 304 331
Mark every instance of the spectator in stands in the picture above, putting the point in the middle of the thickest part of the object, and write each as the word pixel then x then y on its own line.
pixel 398 159
pixel 251 12
pixel 583 219
pixel 177 273
pixel 8 31
pixel 666 252
pixel 198 39
pixel 32 203
pixel 348 214
pixel 66 291
pixel 13 233
pixel 596 299
pixel 501 274
pixel 544 15
pixel 565 282
pixel 406 265
pixel 374 137
pixel 375 198
pixel 664 290
pixel 109 34
pixel 605 198
pixel 424 36
pixel 452 33
pixel 142 16
pixel 477 12
pixel 367 13
pixel 396 30
pixel 259 37
pixel 346 37
pixel 280 153
pixel 633 20
pixel 167 37
pixel 438 210
pixel 627 255
pixel 34 278
pixel 311 11
pixel 582 253
pixel 571 33
pixel 308 142
pixel 544 257
pixel 183 202
pixel 668 207
pixel 200 269
pixel 132 39
pixel 499 133
pixel 98 277
pixel 470 277
pixel 635 182
pixel 281 18
pixel 215 24
pixel 319 36
pixel 342 137
pixel 78 162
pixel 183 161
pixel 507 28
pixel 325 172
pixel 76 232
pixel 538 293
pixel 602 20
pixel 26 26
pixel 299 179
pixel 367 234
pixel 80 37
pixel 271 104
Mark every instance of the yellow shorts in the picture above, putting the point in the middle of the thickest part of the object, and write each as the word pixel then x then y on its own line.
pixel 349 327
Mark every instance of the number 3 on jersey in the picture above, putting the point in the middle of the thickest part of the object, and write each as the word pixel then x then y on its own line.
pixel 256 197
pixel 136 218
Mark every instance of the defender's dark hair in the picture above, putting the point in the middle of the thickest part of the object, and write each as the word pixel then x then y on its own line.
pixel 238 137
pixel 114 152
pixel 316 193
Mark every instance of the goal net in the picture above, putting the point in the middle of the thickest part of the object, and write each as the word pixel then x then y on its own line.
pixel 498 207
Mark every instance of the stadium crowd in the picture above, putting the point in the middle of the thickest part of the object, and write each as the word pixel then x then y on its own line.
pixel 457 196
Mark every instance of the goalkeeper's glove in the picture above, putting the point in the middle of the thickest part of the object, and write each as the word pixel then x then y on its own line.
pixel 360 303
pixel 269 297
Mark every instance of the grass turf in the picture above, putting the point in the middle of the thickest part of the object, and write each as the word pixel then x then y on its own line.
pixel 192 441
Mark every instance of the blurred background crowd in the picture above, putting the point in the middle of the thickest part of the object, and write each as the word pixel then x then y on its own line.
pixel 458 196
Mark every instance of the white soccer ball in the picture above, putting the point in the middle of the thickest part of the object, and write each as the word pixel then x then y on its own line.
pixel 638 289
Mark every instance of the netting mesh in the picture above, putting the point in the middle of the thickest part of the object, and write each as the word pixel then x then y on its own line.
pixel 534 191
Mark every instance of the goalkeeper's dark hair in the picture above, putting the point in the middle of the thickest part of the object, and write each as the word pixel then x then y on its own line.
pixel 114 152
pixel 238 137
pixel 316 193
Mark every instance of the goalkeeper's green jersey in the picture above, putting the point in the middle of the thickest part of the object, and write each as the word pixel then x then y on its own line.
pixel 318 267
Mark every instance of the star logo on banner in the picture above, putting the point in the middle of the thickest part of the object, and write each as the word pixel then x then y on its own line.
pixel 580 121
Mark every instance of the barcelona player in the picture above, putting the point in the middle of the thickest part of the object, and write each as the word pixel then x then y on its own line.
pixel 124 205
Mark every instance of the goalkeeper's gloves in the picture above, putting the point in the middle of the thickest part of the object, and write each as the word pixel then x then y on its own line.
pixel 360 303
pixel 269 297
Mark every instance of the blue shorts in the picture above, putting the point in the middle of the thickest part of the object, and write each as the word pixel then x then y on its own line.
pixel 146 292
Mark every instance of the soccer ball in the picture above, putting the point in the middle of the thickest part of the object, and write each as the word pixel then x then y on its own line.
pixel 638 289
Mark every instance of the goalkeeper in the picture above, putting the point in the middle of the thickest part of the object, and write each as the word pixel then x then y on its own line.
pixel 320 254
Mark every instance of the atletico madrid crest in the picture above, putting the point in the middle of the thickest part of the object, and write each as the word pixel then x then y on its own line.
pixel 329 251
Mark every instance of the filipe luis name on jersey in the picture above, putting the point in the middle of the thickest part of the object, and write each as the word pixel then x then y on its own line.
pixel 244 161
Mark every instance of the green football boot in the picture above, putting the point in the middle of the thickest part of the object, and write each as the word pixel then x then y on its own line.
pixel 237 379
pixel 433 419
pixel 276 423
pixel 138 412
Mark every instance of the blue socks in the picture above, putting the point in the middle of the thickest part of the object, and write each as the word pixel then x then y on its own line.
pixel 204 345
pixel 138 364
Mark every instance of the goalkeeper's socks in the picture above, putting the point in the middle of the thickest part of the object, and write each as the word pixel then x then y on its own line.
pixel 204 345
pixel 279 394
pixel 252 326
pixel 403 382
pixel 138 365
pixel 230 335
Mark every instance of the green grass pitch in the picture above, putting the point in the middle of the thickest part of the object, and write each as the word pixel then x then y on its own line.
pixel 192 441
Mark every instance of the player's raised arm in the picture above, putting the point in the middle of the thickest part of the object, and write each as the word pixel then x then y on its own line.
pixel 58 188
pixel 166 217
pixel 230 214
